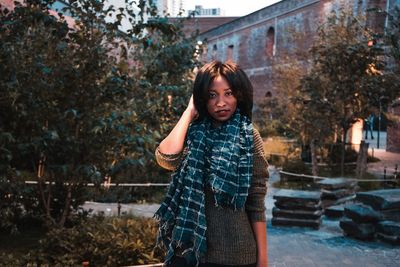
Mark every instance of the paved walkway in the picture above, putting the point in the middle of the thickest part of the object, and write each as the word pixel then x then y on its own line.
pixel 388 161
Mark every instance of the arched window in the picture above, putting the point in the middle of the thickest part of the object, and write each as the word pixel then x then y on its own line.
pixel 214 52
pixel 270 47
pixel 230 52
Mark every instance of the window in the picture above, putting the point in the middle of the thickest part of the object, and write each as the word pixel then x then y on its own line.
pixel 230 52
pixel 270 47
pixel 214 52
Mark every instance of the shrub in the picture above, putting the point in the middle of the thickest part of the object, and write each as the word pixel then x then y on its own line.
pixel 101 241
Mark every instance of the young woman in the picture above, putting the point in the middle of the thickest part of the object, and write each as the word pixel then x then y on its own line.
pixel 214 212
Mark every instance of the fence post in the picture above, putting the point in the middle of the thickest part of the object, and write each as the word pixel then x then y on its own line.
pixel 384 173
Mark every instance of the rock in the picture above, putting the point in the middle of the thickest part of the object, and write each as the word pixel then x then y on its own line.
pixel 361 213
pixel 296 222
pixel 298 196
pixel 389 228
pixel 296 214
pixel 384 199
pixel 394 240
pixel 364 231
pixel 330 202
pixel 336 194
pixel 336 183
pixel 310 206
pixel 391 215
pixel 336 211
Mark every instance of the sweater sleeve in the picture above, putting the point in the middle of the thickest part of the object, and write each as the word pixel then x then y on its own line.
pixel 255 204
pixel 168 161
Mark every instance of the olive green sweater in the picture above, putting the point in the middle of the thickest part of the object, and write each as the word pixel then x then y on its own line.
pixel 230 238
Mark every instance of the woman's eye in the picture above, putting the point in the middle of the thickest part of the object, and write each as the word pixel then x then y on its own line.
pixel 229 93
pixel 211 95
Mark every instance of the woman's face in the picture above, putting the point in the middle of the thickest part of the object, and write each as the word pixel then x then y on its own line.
pixel 221 102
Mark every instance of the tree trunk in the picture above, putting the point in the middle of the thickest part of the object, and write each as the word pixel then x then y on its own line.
pixel 362 160
pixel 314 161
pixel 66 210
pixel 343 152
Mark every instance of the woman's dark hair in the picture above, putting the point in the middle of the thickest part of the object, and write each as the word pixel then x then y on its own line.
pixel 236 78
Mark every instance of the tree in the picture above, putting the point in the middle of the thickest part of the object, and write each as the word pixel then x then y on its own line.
pixel 347 79
pixel 81 104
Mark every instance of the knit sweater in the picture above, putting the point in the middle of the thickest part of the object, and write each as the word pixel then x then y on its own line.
pixel 230 238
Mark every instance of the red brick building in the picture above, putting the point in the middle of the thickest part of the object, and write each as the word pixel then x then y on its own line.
pixel 255 41
pixel 263 37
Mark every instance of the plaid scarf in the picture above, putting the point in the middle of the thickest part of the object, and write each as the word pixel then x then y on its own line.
pixel 221 158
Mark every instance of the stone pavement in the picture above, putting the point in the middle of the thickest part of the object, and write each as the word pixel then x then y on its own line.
pixel 327 247
pixel 388 160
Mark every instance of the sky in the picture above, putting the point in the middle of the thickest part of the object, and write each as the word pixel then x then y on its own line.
pixel 232 7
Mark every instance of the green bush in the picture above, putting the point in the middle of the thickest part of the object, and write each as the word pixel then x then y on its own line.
pixel 101 241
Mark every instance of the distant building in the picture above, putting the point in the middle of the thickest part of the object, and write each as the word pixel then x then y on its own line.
pixel 172 8
pixel 199 11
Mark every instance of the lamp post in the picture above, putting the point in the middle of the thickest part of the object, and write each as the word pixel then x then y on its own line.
pixel 381 99
pixel 379 123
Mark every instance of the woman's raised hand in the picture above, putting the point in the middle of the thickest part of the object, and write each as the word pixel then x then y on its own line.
pixel 191 109
pixel 174 142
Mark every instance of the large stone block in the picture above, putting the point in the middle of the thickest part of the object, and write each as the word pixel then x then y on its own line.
pixel 364 231
pixel 336 183
pixel 315 224
pixel 336 211
pixel 385 199
pixel 388 228
pixel 391 215
pixel 311 206
pixel 331 202
pixel 394 240
pixel 361 213
pixel 336 194
pixel 296 214
pixel 298 195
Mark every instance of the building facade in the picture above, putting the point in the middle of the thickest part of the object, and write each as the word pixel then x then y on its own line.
pixel 172 8
pixel 259 40
pixel 199 11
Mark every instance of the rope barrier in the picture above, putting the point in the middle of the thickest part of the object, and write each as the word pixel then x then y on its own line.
pixel 148 265
pixel 110 184
pixel 351 179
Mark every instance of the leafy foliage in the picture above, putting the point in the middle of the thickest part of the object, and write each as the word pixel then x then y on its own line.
pixel 345 81
pixel 97 240
pixel 393 36
pixel 83 103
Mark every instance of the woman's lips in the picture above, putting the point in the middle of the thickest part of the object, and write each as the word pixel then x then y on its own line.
pixel 222 113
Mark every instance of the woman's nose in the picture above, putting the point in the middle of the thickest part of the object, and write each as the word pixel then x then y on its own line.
pixel 221 102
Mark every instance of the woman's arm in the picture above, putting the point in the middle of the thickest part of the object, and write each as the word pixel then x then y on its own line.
pixel 260 234
pixel 255 204
pixel 174 142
